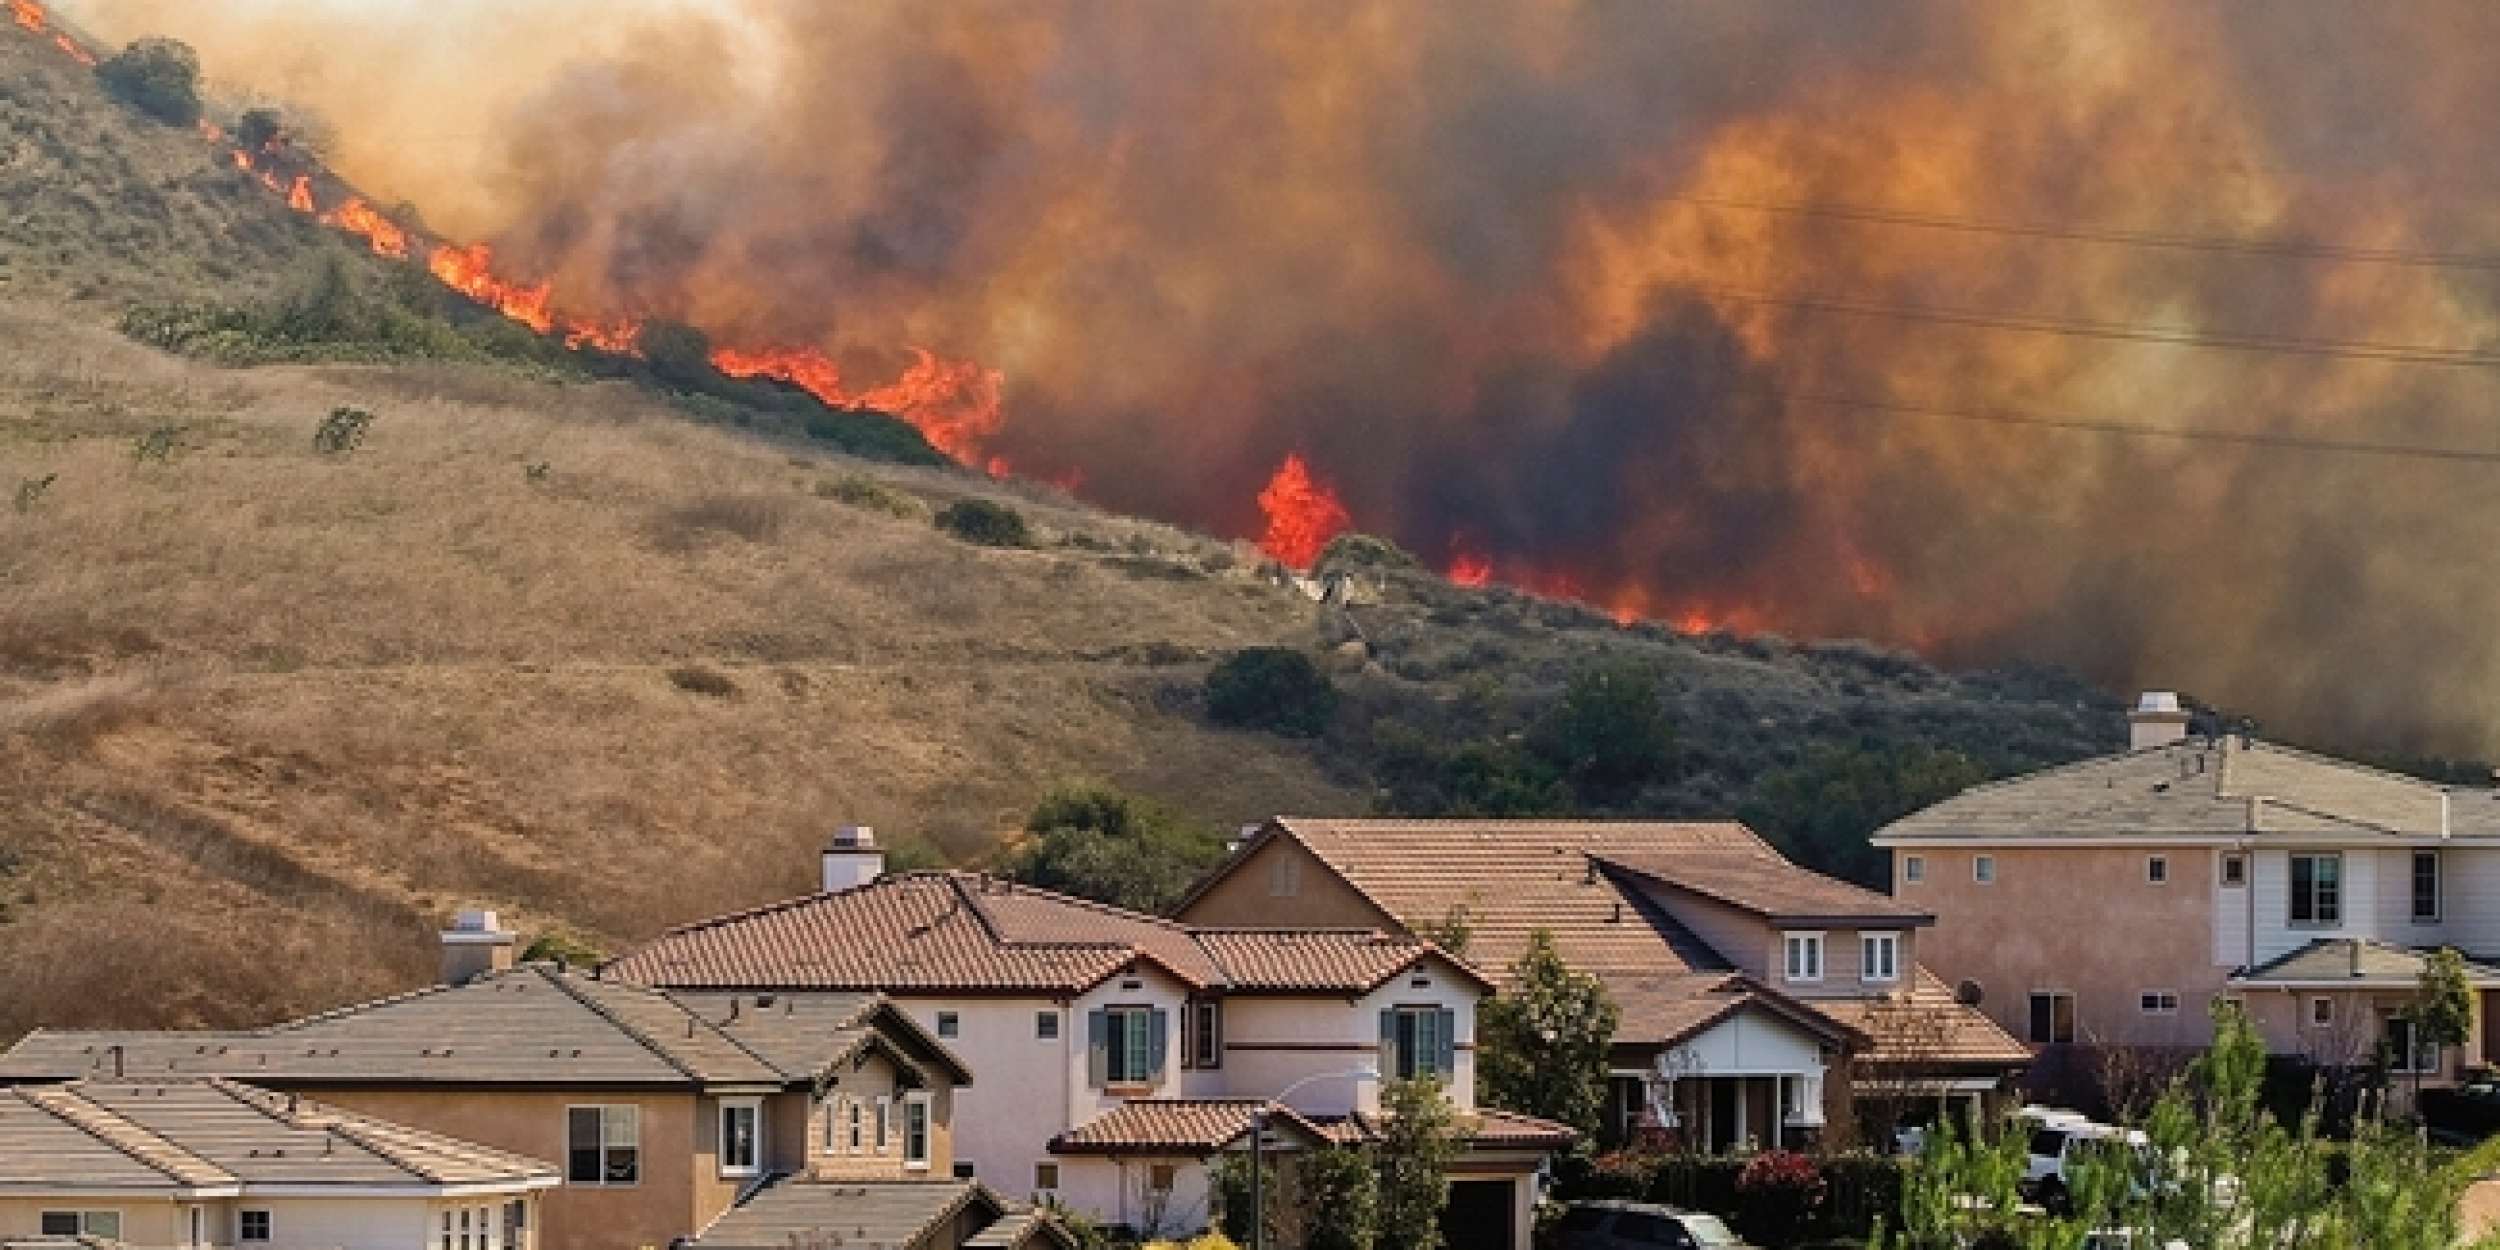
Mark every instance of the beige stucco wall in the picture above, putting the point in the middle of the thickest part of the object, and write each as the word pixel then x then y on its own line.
pixel 2078 919
pixel 1312 895
pixel 531 1122
pixel 157 1223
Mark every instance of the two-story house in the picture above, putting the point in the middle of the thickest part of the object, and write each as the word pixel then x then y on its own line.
pixel 2113 900
pixel 1756 996
pixel 662 1112
pixel 1121 1052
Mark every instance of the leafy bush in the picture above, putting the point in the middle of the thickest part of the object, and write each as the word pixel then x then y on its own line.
pixel 159 77
pixel 1364 551
pixel 1608 735
pixel 678 354
pixel 342 431
pixel 1339 1200
pixel 1273 688
pixel 1780 1193
pixel 703 680
pixel 860 491
pixel 1098 842
pixel 986 522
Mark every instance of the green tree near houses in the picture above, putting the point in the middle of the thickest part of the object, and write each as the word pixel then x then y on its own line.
pixel 2442 1010
pixel 1417 1145
pixel 1543 1040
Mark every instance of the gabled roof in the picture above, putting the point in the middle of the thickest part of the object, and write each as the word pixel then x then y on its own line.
pixel 533 1025
pixel 2226 787
pixel 902 1215
pixel 1512 877
pixel 212 1137
pixel 1190 1127
pixel 2355 963
pixel 952 932
pixel 1672 1010
pixel 1752 877
pixel 1925 1026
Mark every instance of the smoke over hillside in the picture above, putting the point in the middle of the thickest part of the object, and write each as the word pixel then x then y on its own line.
pixel 1530 287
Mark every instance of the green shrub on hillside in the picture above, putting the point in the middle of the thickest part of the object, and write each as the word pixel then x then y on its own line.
pixel 1357 550
pixel 861 491
pixel 1272 688
pixel 986 522
pixel 1098 842
pixel 159 77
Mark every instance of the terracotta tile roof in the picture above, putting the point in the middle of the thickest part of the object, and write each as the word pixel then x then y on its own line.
pixel 1925 1025
pixel 1753 877
pixel 1515 876
pixel 2198 787
pixel 1485 1129
pixel 922 933
pixel 2361 963
pixel 530 1026
pixel 1192 1127
pixel 902 1215
pixel 217 1135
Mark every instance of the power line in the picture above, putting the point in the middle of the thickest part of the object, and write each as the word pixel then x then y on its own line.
pixel 2284 442
pixel 2397 353
pixel 2303 249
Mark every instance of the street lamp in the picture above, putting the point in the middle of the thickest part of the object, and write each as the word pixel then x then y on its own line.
pixel 1258 1139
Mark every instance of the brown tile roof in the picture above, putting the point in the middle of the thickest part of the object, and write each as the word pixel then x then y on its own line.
pixel 903 1215
pixel 1191 1127
pixel 217 1135
pixel 2202 788
pixel 1485 1128
pixel 1752 877
pixel 939 932
pixel 1926 1025
pixel 534 1025
pixel 1515 876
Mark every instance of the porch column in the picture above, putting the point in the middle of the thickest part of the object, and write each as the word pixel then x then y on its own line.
pixel 1744 1086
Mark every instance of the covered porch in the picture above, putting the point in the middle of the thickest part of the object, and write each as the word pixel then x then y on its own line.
pixel 1733 1069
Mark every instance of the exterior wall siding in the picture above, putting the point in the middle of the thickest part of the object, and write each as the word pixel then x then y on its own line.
pixel 1248 895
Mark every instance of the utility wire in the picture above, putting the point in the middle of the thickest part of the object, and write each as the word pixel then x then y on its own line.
pixel 2397 353
pixel 2285 442
pixel 2304 249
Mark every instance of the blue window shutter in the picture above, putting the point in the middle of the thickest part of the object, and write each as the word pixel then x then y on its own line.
pixel 1097 1048
pixel 1389 1044
pixel 1159 1033
pixel 1446 1061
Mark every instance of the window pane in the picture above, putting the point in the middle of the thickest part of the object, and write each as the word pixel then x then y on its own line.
pixel 59 1224
pixel 582 1147
pixel 624 1165
pixel 106 1224
pixel 624 1125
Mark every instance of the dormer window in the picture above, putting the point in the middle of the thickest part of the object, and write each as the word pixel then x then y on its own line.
pixel 1804 956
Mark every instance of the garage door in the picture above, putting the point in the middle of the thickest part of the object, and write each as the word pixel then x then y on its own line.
pixel 1479 1216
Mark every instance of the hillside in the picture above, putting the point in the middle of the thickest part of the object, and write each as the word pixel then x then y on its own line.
pixel 267 714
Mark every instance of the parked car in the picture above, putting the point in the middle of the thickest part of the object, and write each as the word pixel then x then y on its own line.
pixel 1615 1224
pixel 2058 1145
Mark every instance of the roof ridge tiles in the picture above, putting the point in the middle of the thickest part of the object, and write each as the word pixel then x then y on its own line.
pixel 123 1136
pixel 648 1043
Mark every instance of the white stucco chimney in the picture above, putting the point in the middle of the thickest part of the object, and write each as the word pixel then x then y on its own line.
pixel 476 943
pixel 2156 721
pixel 853 859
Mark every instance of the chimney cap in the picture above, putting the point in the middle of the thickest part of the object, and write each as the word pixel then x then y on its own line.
pixel 2159 703
pixel 853 837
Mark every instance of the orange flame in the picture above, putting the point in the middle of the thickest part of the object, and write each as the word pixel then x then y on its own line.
pixel 1302 515
pixel 471 271
pixel 358 218
pixel 299 197
pixel 955 404
pixel 28 14
pixel 1471 571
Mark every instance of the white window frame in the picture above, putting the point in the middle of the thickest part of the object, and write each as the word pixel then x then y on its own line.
pixel 242 1226
pixel 855 1126
pixel 1802 942
pixel 2321 1011
pixel 2334 900
pixel 2233 872
pixel 2424 1059
pixel 752 1109
pixel 2413 886
pixel 89 1219
pixel 606 1110
pixel 1046 1025
pixel 950 1024
pixel 1046 1176
pixel 885 1124
pixel 1983 869
pixel 917 1121
pixel 1913 869
pixel 1884 970
pixel 2074 1017
pixel 2156 870
pixel 2158 1002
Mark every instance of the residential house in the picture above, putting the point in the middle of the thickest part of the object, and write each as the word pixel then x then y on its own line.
pixel 206 1164
pixel 663 1109
pixel 2111 901
pixel 1755 994
pixel 1119 1052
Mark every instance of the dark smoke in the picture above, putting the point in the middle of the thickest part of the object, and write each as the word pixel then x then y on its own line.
pixel 1443 249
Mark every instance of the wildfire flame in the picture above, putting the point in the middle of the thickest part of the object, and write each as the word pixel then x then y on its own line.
pixel 1472 571
pixel 299 197
pixel 955 404
pixel 358 218
pixel 471 271
pixel 1302 515
pixel 28 14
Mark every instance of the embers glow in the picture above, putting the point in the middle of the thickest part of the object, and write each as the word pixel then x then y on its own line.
pixel 1472 571
pixel 958 406
pixel 299 197
pixel 28 14
pixel 1302 515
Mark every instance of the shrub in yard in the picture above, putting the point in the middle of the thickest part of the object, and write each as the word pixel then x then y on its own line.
pixel 985 522
pixel 1272 688
pixel 1779 1193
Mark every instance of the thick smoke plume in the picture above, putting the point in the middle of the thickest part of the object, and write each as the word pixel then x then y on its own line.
pixel 1504 274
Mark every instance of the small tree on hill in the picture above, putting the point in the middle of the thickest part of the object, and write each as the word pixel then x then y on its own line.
pixel 159 77
pixel 1273 688
pixel 1102 843
pixel 986 523
pixel 1608 734
pixel 1417 1147
pixel 1543 1041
